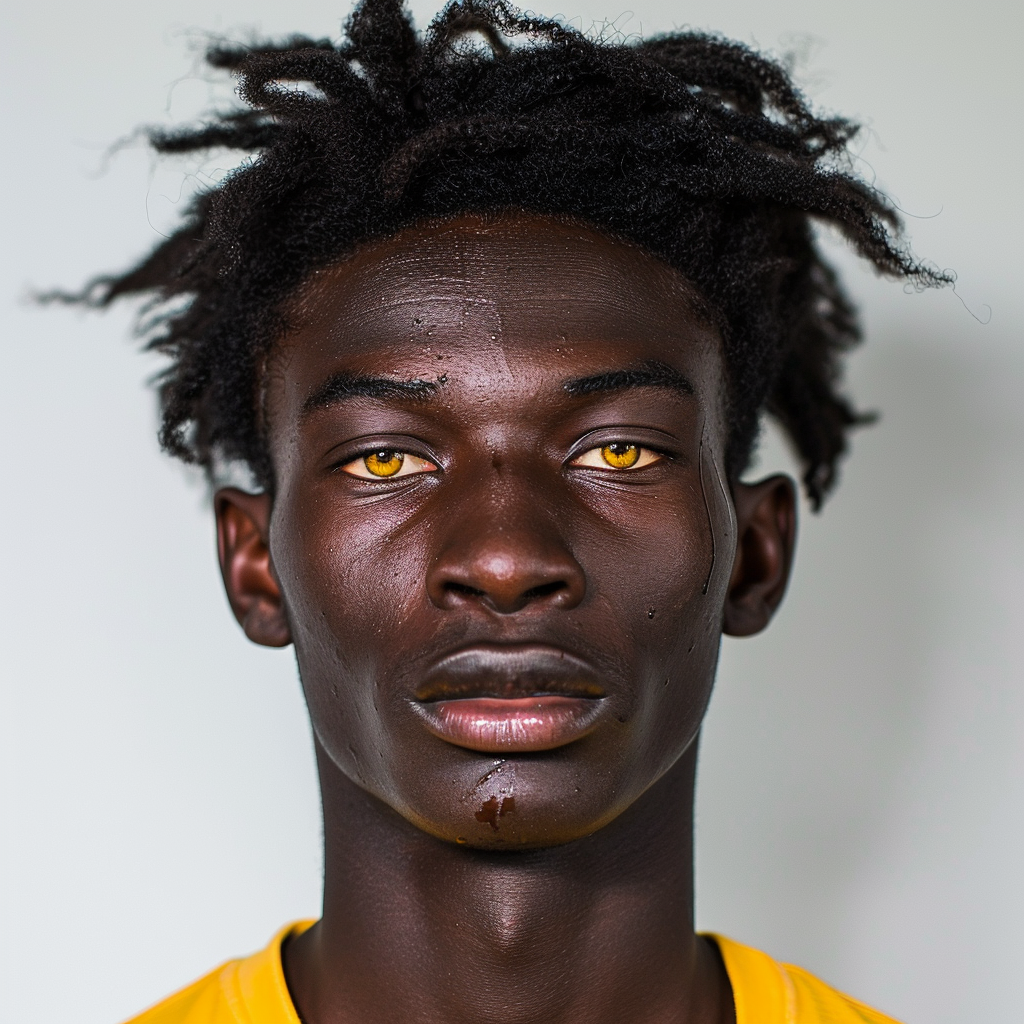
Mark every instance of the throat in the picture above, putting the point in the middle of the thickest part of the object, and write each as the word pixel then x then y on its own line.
pixel 597 930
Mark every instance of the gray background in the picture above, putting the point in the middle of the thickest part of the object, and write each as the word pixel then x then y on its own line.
pixel 863 771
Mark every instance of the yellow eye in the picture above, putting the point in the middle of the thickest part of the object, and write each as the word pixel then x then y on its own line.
pixel 385 463
pixel 619 455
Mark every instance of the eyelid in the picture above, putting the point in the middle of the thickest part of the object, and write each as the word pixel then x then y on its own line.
pixel 411 465
pixel 593 458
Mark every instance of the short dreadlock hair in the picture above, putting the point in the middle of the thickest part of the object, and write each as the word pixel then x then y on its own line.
pixel 691 146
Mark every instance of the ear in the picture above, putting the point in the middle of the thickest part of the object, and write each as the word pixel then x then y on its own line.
pixel 766 534
pixel 243 546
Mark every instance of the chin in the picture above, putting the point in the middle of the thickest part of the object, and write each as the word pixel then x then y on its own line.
pixel 523 803
pixel 514 832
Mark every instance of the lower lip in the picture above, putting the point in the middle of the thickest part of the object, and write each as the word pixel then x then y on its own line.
pixel 520 725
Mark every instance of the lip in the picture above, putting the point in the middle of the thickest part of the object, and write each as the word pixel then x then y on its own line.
pixel 498 699
pixel 512 725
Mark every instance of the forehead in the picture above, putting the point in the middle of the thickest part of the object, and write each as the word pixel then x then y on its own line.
pixel 519 271
pixel 474 299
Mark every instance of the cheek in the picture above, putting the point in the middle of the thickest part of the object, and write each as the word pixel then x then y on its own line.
pixel 671 584
pixel 648 562
pixel 352 585
pixel 350 574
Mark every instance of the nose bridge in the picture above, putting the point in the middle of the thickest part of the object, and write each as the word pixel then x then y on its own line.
pixel 503 545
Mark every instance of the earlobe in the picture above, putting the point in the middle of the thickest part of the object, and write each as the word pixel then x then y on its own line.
pixel 243 522
pixel 766 535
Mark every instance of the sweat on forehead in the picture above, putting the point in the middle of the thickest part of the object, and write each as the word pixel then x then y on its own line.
pixel 514 264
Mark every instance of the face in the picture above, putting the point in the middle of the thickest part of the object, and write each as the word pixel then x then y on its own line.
pixel 501 537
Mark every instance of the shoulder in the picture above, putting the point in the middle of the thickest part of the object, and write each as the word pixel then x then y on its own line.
pixel 821 1002
pixel 766 991
pixel 202 1002
pixel 245 991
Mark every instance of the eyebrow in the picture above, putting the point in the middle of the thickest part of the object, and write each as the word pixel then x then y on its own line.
pixel 340 386
pixel 651 374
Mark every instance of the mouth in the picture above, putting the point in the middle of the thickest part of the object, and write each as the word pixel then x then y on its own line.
pixel 519 699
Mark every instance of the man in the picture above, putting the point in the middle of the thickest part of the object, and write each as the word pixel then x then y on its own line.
pixel 492 325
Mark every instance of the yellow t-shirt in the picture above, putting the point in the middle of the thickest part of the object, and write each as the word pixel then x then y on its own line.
pixel 253 991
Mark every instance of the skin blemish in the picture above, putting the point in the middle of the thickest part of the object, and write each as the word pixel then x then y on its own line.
pixel 492 810
pixel 707 509
pixel 704 494
pixel 487 776
pixel 650 613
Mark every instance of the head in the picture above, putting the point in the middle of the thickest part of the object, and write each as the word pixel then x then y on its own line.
pixel 493 324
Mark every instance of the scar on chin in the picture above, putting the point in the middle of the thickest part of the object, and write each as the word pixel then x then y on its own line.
pixel 492 810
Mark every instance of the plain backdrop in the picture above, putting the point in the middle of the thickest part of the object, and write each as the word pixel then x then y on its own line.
pixel 862 774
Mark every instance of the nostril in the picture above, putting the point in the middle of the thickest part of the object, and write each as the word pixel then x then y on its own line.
pixel 506 574
pixel 544 590
pixel 462 589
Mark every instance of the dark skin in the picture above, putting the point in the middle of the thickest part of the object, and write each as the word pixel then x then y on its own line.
pixel 503 362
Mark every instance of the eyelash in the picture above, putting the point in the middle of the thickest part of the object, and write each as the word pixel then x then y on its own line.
pixel 619 457
pixel 384 469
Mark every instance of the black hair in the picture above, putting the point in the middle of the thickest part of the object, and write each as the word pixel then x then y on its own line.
pixel 689 145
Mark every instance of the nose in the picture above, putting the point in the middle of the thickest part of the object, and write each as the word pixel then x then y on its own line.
pixel 505 557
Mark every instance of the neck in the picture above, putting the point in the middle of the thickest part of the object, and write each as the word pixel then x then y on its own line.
pixel 418 929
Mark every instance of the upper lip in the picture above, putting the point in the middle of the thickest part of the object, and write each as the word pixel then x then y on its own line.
pixel 509 671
